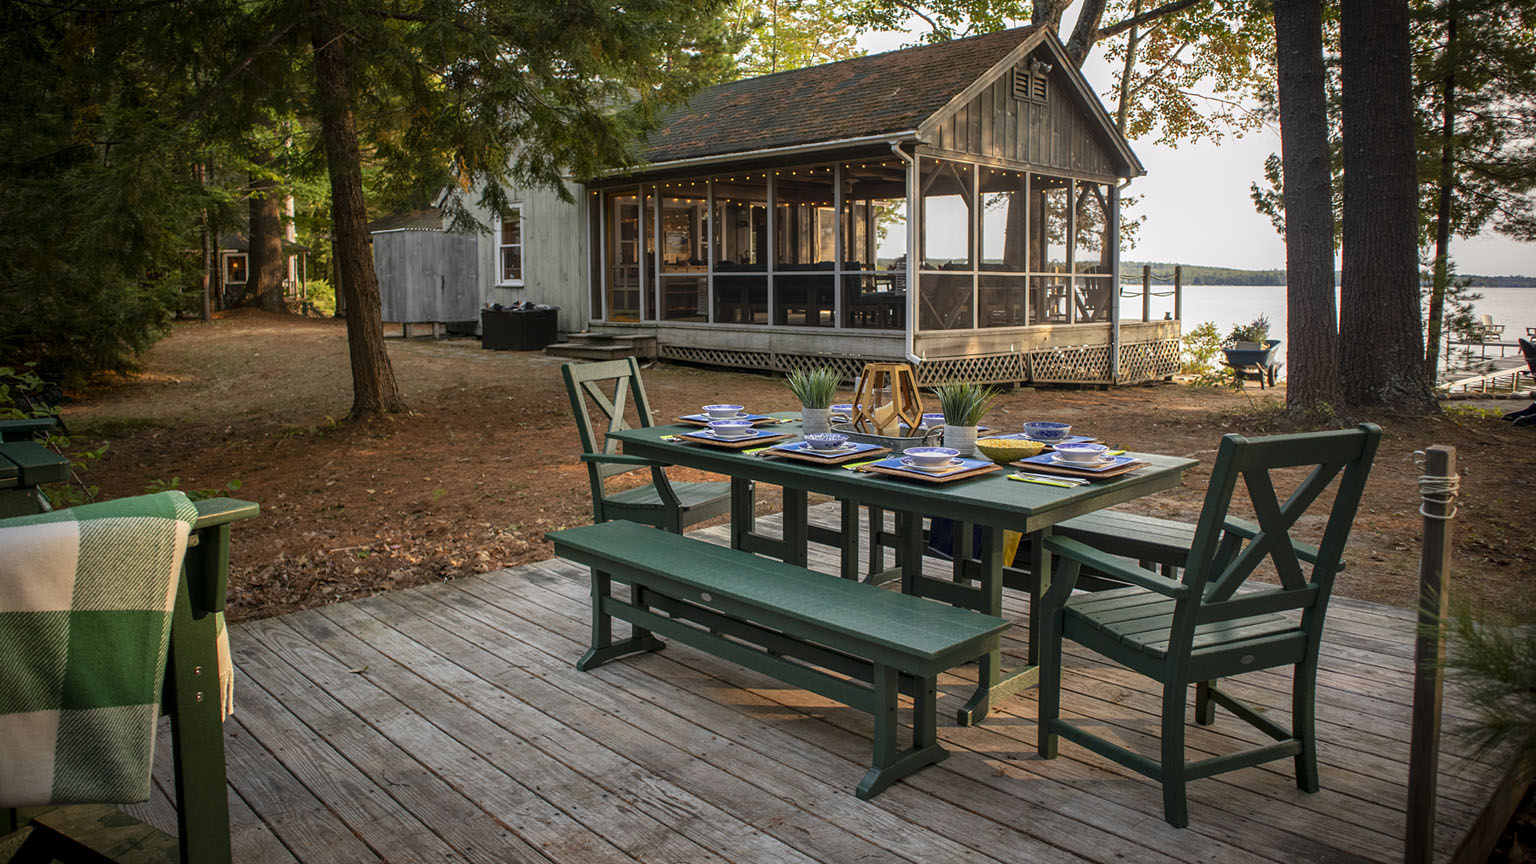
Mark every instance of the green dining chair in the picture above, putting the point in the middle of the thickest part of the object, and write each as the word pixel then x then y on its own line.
pixel 605 390
pixel 1200 629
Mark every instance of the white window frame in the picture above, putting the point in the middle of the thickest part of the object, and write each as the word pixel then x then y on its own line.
pixel 244 256
pixel 521 246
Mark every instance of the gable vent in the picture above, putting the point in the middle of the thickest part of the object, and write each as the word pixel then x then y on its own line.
pixel 1029 82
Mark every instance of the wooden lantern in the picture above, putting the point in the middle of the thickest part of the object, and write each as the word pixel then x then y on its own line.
pixel 905 405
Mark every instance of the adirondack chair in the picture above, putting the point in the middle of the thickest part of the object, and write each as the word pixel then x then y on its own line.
pixel 1526 416
pixel 1199 630
pixel 609 386
pixel 192 697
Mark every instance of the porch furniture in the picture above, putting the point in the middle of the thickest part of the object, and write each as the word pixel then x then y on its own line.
pixel 1161 543
pixel 805 628
pixel 993 502
pixel 26 465
pixel 195 678
pixel 1199 629
pixel 610 386
pixel 1486 329
pixel 1527 415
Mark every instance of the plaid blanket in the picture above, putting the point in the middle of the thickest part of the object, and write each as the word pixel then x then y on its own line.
pixel 85 614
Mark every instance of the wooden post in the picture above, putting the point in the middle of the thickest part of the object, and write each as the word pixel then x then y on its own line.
pixel 1429 656
pixel 1146 293
pixel 1178 292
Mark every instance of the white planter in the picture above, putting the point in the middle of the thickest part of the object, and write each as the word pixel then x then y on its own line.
pixel 962 438
pixel 816 419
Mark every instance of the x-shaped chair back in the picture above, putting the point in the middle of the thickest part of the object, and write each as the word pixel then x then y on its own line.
pixel 1226 551
pixel 604 391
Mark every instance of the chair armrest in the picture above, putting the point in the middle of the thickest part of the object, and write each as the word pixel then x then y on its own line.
pixel 617 458
pixel 207 562
pixel 23 430
pixel 1113 567
pixel 1247 530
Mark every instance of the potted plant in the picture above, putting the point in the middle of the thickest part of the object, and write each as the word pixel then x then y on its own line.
pixel 1249 344
pixel 964 405
pixel 815 389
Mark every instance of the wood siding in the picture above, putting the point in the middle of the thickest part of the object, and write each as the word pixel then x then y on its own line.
pixel 426 276
pixel 555 262
pixel 1048 135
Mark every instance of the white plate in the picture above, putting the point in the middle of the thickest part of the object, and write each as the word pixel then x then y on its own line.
pixel 841 448
pixel 1102 460
pixel 907 461
pixel 718 437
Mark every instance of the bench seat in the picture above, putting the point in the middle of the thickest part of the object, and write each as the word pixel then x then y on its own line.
pixel 846 640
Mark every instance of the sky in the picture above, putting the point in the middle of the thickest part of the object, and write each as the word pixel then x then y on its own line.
pixel 1196 199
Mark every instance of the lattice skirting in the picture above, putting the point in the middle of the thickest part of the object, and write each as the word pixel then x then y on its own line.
pixel 1082 364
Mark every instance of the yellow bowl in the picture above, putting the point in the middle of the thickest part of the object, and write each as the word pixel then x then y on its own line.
pixel 1005 450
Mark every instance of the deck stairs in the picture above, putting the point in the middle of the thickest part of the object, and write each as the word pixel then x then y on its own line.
pixel 605 345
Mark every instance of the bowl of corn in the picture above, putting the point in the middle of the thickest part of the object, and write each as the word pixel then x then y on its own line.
pixel 1005 450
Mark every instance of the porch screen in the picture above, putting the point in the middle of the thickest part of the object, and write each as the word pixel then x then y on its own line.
pixel 947 286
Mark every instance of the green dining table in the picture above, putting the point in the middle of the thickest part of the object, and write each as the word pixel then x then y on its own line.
pixel 990 501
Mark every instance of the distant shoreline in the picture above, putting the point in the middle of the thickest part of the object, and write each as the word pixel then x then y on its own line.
pixel 1196 274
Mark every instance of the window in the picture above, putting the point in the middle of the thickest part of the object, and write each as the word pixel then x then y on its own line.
pixel 235 268
pixel 509 241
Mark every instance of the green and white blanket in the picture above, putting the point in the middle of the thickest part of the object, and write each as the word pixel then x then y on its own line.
pixel 86 596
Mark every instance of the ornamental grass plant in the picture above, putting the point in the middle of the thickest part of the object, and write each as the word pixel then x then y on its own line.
pixel 815 388
pixel 964 403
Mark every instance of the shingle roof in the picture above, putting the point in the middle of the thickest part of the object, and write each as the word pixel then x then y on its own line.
pixel 426 219
pixel 872 95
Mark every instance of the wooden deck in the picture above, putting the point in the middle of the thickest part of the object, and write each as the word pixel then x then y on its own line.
pixel 449 723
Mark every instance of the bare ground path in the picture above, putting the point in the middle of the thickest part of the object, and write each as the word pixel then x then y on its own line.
pixel 484 464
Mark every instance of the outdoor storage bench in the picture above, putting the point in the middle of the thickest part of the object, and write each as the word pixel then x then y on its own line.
pixel 849 641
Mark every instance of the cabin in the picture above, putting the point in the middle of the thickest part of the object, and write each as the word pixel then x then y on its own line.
pixel 954 205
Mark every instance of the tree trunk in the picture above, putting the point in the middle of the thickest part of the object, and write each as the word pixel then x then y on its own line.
pixel 1311 323
pixel 1123 109
pixel 1447 189
pixel 373 381
pixel 1381 339
pixel 268 267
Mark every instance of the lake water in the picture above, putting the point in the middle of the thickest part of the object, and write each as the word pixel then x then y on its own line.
pixel 1228 305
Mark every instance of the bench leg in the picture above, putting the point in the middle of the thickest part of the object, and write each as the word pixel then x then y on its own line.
pixel 889 764
pixel 603 647
pixel 848 550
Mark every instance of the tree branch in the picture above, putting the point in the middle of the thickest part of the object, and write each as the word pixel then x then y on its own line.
pixel 1149 15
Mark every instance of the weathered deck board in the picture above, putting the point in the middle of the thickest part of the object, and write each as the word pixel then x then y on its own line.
pixel 449 723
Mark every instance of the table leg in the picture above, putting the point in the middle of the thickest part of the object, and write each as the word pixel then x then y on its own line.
pixel 796 522
pixel 743 512
pixel 1040 566
pixel 993 684
pixel 848 551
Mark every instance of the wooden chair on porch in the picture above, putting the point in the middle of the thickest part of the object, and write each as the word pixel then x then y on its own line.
pixel 608 388
pixel 102 569
pixel 1199 629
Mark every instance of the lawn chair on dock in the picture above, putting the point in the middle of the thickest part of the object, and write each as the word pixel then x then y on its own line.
pixel 118 610
pixel 1526 416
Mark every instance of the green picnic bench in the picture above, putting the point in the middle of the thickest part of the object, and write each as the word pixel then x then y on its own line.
pixel 25 465
pixel 846 640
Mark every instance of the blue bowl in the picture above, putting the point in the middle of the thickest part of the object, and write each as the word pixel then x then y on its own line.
pixel 930 457
pixel 843 408
pixel 1045 430
pixel 932 420
pixel 825 442
pixel 722 412
pixel 1082 451
pixel 731 428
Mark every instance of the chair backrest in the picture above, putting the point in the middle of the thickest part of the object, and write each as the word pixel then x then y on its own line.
pixel 608 387
pixel 1221 559
pixel 1485 319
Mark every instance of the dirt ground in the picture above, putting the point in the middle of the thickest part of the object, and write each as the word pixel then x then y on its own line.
pixel 485 462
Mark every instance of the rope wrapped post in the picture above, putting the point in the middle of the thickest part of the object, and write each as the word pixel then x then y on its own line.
pixel 1438 487
pixel 1146 293
pixel 1178 292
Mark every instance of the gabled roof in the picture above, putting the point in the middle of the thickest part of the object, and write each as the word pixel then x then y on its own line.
pixel 425 219
pixel 864 97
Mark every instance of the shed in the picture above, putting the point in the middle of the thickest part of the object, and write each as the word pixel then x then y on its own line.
pixel 427 274
pixel 953 204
